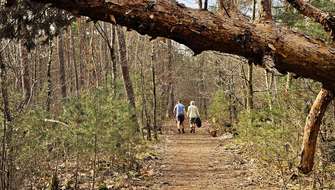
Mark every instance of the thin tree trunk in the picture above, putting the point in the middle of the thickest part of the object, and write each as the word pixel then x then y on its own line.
pixel 146 118
pixel 6 175
pixel 153 69
pixel 95 158
pixel 200 4
pixel 288 82
pixel 25 73
pixel 49 79
pixel 206 5
pixel 114 58
pixel 76 75
pixel 268 84
pixel 203 86
pixel 254 9
pixel 170 100
pixel 81 39
pixel 95 70
pixel 76 174
pixel 62 75
pixel 70 72
pixel 104 55
pixel 312 129
pixel 250 91
pixel 126 76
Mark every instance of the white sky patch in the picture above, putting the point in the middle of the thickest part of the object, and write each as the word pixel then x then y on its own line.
pixel 194 3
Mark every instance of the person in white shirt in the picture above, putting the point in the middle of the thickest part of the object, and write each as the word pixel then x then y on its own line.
pixel 193 114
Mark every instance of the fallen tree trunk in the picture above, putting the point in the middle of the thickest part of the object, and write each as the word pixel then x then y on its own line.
pixel 203 30
pixel 312 129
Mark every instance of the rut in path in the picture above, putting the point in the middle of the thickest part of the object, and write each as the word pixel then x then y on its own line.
pixel 198 161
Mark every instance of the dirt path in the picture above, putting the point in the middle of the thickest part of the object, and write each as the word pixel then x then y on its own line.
pixel 198 161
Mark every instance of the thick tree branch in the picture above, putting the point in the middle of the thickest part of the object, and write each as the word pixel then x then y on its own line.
pixel 202 30
pixel 325 19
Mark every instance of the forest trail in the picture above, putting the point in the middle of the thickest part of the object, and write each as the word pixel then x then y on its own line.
pixel 198 161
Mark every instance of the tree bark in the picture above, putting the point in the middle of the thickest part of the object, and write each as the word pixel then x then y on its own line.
pixel 202 30
pixel 154 97
pixel 76 75
pixel 126 76
pixel 62 75
pixel 250 89
pixel 265 13
pixel 71 85
pixel 6 174
pixel 312 129
pixel 25 73
pixel 200 4
pixel 324 18
pixel 114 58
pixel 81 39
pixel 145 114
pixel 288 82
pixel 324 97
pixel 206 5
pixel 170 97
pixel 49 79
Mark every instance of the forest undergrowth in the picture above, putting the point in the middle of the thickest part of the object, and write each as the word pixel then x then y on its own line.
pixel 91 144
pixel 271 139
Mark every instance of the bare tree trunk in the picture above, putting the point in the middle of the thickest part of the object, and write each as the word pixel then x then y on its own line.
pixel 6 165
pixel 95 80
pixel 76 75
pixel 81 30
pixel 145 115
pixel 104 55
pixel 62 75
pixel 200 4
pixel 111 45
pixel 49 79
pixel 126 77
pixel 170 100
pixel 206 5
pixel 114 58
pixel 25 73
pixel 312 129
pixel 153 69
pixel 250 91
pixel 202 86
pixel 69 68
pixel 269 85
pixel 288 82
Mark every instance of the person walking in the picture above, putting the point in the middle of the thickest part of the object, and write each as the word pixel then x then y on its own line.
pixel 179 111
pixel 193 114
